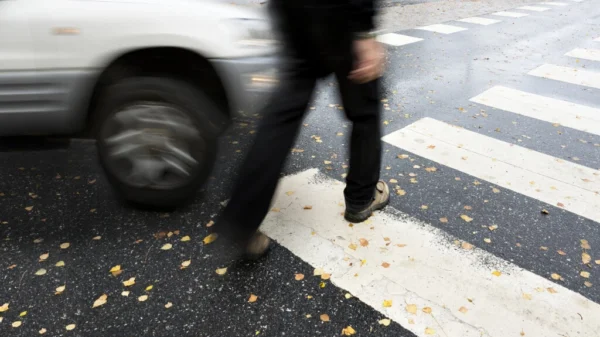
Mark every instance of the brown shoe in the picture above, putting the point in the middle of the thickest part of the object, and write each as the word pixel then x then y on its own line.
pixel 380 200
pixel 257 246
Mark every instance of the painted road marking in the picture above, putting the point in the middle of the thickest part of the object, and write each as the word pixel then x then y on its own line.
pixel 559 4
pixel 397 39
pixel 586 54
pixel 510 14
pixel 534 8
pixel 570 75
pixel 480 21
pixel 575 116
pixel 597 40
pixel 551 180
pixel 465 298
pixel 442 29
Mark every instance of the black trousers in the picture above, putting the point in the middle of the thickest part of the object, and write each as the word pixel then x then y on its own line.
pixel 315 50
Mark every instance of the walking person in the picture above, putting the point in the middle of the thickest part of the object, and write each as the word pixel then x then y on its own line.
pixel 320 37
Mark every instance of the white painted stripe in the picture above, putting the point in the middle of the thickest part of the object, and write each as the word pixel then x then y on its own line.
pixel 443 29
pixel 536 175
pixel 559 4
pixel 430 271
pixel 397 39
pixel 586 54
pixel 597 39
pixel 570 75
pixel 579 117
pixel 534 8
pixel 510 14
pixel 480 21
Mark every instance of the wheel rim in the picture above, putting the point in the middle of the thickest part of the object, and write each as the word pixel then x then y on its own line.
pixel 150 145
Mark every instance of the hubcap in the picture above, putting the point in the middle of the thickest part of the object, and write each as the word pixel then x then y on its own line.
pixel 149 145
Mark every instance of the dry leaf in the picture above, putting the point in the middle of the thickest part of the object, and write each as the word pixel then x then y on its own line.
pixel 42 331
pixel 431 147
pixel 585 244
pixel 23 314
pixel 588 284
pixel 385 322
pixel 210 224
pixel 585 274
pixel 400 192
pixel 544 248
pixel 44 257
pixel 444 220
pixel 275 210
pixel 125 293
pixel 307 207
pixel 429 331
pixel 348 331
pixel 560 252
pixel 325 276
pixel 221 271
pixel 597 261
pixel 166 246
pixel 185 264
pixel 586 258
pixel 527 296
pixel 552 291
pixel 60 290
pixel 252 298
pixel 411 308
pixel 70 327
pixel 289 193
pixel 364 242
pixel 326 162
pixel 466 245
pixel 299 277
pixel 468 208
pixel 4 307
pixel 555 276
pixel 466 218
pixel 387 303
pixel 28 208
pixel 65 245
pixel 463 310
pixel 41 272
pixel 115 269
pixel 143 298
pixel 401 245
pixel 324 318
pixel 60 264
pixel 363 262
pixel 493 227
pixel 150 287
pixel 210 238
pixel 318 272
pixel 100 301
pixel 352 246
pixel 385 265
pixel 185 238
pixel 560 204
pixel 424 207
pixel 495 190
pixel 348 296
pixel 487 240
pixel 393 181
pixel 430 169
pixel 496 273
pixel 16 324
pixel 168 305
pixel 322 284
pixel 545 211
pixel 38 240
pixel 427 310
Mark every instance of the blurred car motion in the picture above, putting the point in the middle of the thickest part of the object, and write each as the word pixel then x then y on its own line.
pixel 155 82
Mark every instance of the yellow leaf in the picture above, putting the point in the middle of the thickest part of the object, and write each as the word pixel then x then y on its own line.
pixel 318 272
pixel 555 276
pixel 400 192
pixel 430 169
pixel 60 290
pixel 252 298
pixel 424 207
pixel 493 227
pixel 143 298
pixel 544 248
pixel 166 246
pixel 444 220
pixel 65 245
pixel 560 252
pixel 324 317
pixel 487 240
pixel 60 264
pixel 348 296
pixel 588 284
pixel 299 277
pixel 352 246
pixel 466 218
pixel 326 162
pixel 385 322
pixel 210 238
pixel 467 246
pixel 364 242
pixel 42 331
pixel 322 284
pixel 427 310
pixel 41 272
pixel 125 293
pixel 585 244
pixel 16 324
pixel 463 310
pixel 552 291
pixel 275 210
pixel 393 181
pixel 221 271
pixel 129 282
pixel 585 274
pixel 387 303
pixel 429 331
pixel 28 208
pixel 495 190
pixel 4 307
pixel 210 224
pixel 325 276
pixel 496 273
pixel 150 287
pixel 586 258
pixel 185 238
pixel 289 193
pixel 411 308
pixel 597 261
pixel 527 296
pixel 401 245
pixel 44 257
pixel 385 265
pixel 100 301
pixel 70 327
pixel 348 331
pixel 363 262
pixel 185 264
pixel 23 314
pixel 96 238
pixel 168 305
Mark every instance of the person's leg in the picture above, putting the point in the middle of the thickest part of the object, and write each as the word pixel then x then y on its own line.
pixel 259 174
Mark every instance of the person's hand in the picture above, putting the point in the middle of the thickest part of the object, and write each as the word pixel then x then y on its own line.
pixel 370 60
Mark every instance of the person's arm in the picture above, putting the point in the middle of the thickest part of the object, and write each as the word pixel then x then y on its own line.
pixel 369 54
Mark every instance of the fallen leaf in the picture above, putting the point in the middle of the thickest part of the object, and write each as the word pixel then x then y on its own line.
pixel 60 264
pixel 38 240
pixel 463 310
pixel 363 262
pixel 252 298
pixel 322 284
pixel 115 269
pixel 185 238
pixel 143 298
pixel 307 207
pixel 411 321
pixel 23 314
pixel 424 207
pixel 585 274
pixel 586 258
pixel 431 147
pixel 100 301
pixel 168 305
pixel 210 238
pixel 387 303
pixel 166 246
pixel 487 240
pixel 348 331
pixel 585 244
pixel 560 252
pixel 467 246
pixel 400 192
pixel 318 272
pixel 545 211
pixel 42 331
pixel 4 307
pixel 297 150
pixel 16 324
pixel 544 248
pixel 210 223
pixel 299 277
pixel 552 291
pixel 413 180
pixel 468 208
pixel 125 293
pixel 385 322
pixel 597 261
pixel 495 190
pixel 324 318
pixel 364 242
pixel 41 272
pixel 60 290
pixel 466 218
pixel 44 257
pixel 385 265
pixel 348 296
pixel 560 204
pixel 185 264
pixel 65 245
pixel 555 276
pixel 427 310
pixel 476 183
pixel 70 327
pixel 411 308
pixel 393 181
pixel 429 331
pixel 275 210
pixel 401 245
pixel 493 227
pixel 28 208
pixel 325 276
pixel 148 288
pixel 326 162
pixel 527 296
pixel 444 220
pixel 496 273
pixel 221 271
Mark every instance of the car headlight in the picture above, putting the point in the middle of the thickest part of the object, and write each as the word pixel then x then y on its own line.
pixel 251 32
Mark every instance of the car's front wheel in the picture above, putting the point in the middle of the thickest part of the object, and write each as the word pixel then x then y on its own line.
pixel 156 139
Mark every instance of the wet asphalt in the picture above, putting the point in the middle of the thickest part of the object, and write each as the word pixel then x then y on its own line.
pixel 72 203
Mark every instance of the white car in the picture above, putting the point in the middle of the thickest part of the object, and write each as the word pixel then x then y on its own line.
pixel 153 81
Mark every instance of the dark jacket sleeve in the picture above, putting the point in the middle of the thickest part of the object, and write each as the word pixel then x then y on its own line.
pixel 363 15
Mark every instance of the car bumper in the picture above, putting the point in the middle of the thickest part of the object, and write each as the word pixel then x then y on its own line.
pixel 249 82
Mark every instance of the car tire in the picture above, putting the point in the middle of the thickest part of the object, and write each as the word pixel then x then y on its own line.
pixel 148 167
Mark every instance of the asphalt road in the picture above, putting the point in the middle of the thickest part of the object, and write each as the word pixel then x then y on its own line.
pixel 54 200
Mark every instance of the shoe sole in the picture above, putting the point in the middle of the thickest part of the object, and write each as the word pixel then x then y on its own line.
pixel 364 215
